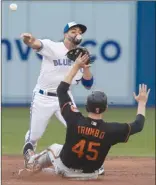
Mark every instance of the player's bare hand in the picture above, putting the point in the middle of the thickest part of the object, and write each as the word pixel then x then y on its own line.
pixel 27 38
pixel 143 94
pixel 81 61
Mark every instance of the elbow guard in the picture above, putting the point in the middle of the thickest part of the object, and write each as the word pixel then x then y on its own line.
pixel 87 83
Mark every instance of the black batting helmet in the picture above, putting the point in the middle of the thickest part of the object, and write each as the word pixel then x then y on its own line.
pixel 96 102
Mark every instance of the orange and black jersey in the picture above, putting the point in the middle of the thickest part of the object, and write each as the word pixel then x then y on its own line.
pixel 88 141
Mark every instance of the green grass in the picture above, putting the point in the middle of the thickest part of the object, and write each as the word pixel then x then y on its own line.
pixel 15 122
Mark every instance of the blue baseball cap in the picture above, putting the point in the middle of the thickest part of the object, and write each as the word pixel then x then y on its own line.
pixel 72 24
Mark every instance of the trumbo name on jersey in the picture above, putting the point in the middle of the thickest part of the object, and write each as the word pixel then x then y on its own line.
pixel 91 131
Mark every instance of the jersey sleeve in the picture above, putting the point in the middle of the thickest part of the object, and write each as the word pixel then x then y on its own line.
pixel 47 48
pixel 70 113
pixel 68 110
pixel 121 132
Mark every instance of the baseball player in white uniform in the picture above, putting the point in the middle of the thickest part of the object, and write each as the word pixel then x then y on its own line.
pixel 55 65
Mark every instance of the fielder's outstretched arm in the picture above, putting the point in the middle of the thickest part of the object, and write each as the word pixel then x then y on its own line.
pixel 44 47
pixel 31 41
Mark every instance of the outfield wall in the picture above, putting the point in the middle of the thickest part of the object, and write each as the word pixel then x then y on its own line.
pixel 146 47
pixel 116 36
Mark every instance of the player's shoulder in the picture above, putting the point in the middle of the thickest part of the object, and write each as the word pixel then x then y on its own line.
pixel 51 42
pixel 115 126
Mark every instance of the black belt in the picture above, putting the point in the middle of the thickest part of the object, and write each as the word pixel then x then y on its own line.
pixel 47 93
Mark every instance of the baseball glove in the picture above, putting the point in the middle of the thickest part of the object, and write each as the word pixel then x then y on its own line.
pixel 74 53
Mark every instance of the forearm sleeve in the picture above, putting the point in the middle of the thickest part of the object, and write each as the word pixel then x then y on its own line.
pixel 137 125
pixel 87 83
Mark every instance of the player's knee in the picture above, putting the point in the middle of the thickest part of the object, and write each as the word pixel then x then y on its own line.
pixel 54 150
pixel 55 147
pixel 44 159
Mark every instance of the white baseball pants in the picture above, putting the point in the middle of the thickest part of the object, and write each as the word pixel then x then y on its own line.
pixel 54 152
pixel 42 109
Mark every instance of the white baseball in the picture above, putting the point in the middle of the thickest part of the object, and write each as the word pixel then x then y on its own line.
pixel 13 6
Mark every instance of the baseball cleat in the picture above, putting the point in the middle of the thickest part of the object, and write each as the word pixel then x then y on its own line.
pixel 27 157
pixel 31 163
pixel 28 151
pixel 101 171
